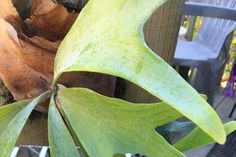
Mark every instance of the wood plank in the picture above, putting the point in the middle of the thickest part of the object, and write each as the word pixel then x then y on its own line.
pixel 161 34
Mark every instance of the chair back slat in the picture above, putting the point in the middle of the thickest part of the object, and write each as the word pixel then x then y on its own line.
pixel 214 31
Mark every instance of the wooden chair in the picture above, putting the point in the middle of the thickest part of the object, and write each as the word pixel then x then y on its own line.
pixel 208 52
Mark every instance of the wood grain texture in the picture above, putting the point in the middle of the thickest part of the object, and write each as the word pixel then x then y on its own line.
pixel 161 35
pixel 161 30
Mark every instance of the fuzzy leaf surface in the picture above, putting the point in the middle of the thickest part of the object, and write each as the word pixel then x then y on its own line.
pixel 106 126
pixel 12 120
pixel 108 38
pixel 60 140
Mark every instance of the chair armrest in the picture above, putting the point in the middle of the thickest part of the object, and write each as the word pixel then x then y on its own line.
pixel 208 10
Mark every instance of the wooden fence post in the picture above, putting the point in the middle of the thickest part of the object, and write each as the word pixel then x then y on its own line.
pixel 161 34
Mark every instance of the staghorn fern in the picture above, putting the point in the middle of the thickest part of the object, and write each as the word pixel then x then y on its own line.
pixel 107 38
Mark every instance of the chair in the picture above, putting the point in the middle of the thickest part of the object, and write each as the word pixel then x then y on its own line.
pixel 208 52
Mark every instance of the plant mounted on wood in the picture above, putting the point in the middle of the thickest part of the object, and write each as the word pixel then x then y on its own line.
pixel 107 38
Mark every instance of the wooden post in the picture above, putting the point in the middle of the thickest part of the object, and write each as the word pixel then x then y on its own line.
pixel 161 30
pixel 161 34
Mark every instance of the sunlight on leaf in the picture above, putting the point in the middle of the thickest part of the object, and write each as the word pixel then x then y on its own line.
pixel 107 126
pixel 60 140
pixel 199 139
pixel 12 120
pixel 107 38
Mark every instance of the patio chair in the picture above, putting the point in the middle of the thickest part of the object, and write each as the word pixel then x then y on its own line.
pixel 208 52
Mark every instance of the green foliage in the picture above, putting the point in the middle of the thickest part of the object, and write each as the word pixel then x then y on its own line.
pixel 197 25
pixel 198 138
pixel 107 126
pixel 7 120
pixel 60 139
pixel 107 38
pixel 12 119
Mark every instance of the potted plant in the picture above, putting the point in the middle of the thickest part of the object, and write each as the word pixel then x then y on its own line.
pixel 107 38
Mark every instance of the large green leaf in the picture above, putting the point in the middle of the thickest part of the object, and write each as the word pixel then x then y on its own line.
pixel 198 138
pixel 60 140
pixel 12 119
pixel 107 38
pixel 107 126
